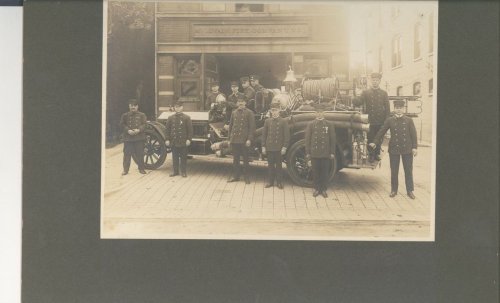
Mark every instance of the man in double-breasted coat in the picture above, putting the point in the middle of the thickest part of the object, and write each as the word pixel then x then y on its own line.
pixel 320 148
pixel 232 99
pixel 249 93
pixel 275 139
pixel 179 133
pixel 133 124
pixel 241 134
pixel 402 145
pixel 375 102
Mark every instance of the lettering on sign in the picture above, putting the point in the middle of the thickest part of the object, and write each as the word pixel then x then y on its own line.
pixel 250 30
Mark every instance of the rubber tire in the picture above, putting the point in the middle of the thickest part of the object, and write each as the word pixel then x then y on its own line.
pixel 297 150
pixel 152 137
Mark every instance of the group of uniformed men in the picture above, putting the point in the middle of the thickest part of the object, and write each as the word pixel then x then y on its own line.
pixel 320 139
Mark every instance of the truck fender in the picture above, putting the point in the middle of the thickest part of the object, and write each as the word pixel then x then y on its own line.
pixel 158 127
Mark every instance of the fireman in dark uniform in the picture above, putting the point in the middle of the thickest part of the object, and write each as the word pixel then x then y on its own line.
pixel 179 133
pixel 320 148
pixel 233 99
pixel 214 92
pixel 241 133
pixel 249 93
pixel 133 124
pixel 403 144
pixel 275 139
pixel 260 104
pixel 375 102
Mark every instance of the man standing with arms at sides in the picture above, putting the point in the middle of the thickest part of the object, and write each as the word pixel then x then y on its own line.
pixel 233 99
pixel 241 133
pixel 403 144
pixel 249 93
pixel 320 148
pixel 375 102
pixel 275 139
pixel 179 133
pixel 133 123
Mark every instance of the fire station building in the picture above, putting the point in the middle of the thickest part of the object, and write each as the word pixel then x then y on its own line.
pixel 198 43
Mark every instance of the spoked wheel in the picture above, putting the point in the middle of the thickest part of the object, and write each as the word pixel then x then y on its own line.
pixel 155 150
pixel 299 169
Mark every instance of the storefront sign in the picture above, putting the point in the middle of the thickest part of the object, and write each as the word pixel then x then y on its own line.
pixel 250 30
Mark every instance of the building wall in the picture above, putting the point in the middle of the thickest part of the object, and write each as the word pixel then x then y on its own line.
pixel 202 33
pixel 384 24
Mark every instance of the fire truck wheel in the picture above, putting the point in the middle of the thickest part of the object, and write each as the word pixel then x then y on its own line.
pixel 299 169
pixel 155 150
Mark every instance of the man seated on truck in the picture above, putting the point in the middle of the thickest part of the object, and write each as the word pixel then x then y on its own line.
pixel 375 103
pixel 402 145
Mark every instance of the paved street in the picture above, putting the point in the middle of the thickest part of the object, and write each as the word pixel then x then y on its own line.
pixel 204 205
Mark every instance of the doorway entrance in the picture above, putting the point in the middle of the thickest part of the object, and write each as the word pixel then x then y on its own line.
pixel 270 67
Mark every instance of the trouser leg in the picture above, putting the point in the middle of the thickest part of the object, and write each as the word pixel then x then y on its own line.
pixel 371 136
pixel 325 169
pixel 175 159
pixel 316 170
pixel 279 170
pixel 138 154
pixel 271 166
pixel 236 150
pixel 408 168
pixel 394 163
pixel 127 155
pixel 246 161
pixel 183 159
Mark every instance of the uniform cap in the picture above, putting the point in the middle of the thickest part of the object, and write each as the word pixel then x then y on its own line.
pixel 376 75
pixel 234 83
pixel 215 83
pixel 177 103
pixel 133 102
pixel 244 79
pixel 399 103
pixel 254 77
pixel 242 98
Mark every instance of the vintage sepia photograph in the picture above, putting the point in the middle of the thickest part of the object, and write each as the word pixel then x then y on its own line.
pixel 269 121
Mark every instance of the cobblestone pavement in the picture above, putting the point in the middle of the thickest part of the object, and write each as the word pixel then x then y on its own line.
pixel 204 205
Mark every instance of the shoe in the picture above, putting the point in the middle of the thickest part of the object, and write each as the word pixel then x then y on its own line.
pixel 233 180
pixel 411 195
pixel 280 186
pixel 184 175
pixel 124 173
pixel 268 185
pixel 378 158
pixel 173 174
pixel 324 194
pixel 315 193
pixel 142 171
pixel 393 194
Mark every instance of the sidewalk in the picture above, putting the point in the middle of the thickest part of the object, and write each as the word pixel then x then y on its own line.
pixel 204 205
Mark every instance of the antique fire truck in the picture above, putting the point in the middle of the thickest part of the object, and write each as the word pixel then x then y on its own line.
pixel 210 137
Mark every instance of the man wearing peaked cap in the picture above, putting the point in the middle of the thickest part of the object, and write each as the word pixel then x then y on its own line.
pixel 233 99
pixel 375 102
pixel 275 139
pixel 179 133
pixel 133 124
pixel 241 134
pixel 402 145
pixel 249 93
pixel 320 145
pixel 260 105
pixel 214 92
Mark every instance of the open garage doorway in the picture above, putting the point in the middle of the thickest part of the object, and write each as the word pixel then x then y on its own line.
pixel 270 67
